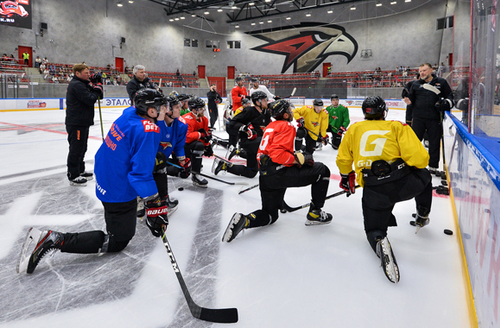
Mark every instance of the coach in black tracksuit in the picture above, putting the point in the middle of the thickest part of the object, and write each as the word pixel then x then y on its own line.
pixel 138 82
pixel 80 99
pixel 430 97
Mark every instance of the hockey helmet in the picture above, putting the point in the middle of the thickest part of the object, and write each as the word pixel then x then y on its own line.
pixel 254 80
pixel 172 101
pixel 374 108
pixel 238 78
pixel 173 93
pixel 147 98
pixel 334 96
pixel 245 101
pixel 318 102
pixel 196 103
pixel 258 95
pixel 278 108
pixel 183 97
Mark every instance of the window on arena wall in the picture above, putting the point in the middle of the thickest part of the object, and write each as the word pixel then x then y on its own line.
pixel 445 22
pixel 187 42
pixel 212 44
pixel 194 43
pixel 233 44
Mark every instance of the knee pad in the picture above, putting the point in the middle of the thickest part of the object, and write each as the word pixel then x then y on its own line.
pixel 160 163
pixel 301 133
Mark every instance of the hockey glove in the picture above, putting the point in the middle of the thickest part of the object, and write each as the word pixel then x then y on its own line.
pixel 156 214
pixel 249 130
pixel 96 78
pixel 340 131
pixel 324 140
pixel 187 168
pixel 98 89
pixel 208 151
pixel 443 105
pixel 203 134
pixel 348 183
pixel 300 122
pixel 308 159
pixel 299 158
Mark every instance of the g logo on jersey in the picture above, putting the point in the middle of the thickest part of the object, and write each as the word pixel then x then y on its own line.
pixel 379 143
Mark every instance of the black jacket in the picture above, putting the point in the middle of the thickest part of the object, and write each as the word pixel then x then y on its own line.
pixel 251 115
pixel 213 97
pixel 80 100
pixel 134 85
pixel 424 100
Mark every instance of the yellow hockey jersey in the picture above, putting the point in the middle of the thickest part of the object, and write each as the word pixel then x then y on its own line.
pixel 371 140
pixel 314 122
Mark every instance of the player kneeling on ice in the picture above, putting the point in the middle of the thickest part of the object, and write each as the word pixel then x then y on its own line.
pixel 281 168
pixel 312 123
pixel 390 164
pixel 124 166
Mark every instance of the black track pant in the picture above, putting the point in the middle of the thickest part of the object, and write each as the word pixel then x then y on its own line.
pixel 272 190
pixel 120 225
pixel 214 115
pixel 77 139
pixel 378 201
pixel 434 131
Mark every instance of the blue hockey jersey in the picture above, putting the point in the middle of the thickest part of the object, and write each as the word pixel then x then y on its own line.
pixel 173 137
pixel 125 161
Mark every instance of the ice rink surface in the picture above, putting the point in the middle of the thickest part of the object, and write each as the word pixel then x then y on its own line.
pixel 283 275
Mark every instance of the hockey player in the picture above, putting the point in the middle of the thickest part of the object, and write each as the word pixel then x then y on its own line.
pixel 338 120
pixel 184 99
pixel 281 168
pixel 390 162
pixel 233 132
pixel 124 167
pixel 255 86
pixel 312 122
pixel 430 97
pixel 197 138
pixel 238 92
pixel 250 124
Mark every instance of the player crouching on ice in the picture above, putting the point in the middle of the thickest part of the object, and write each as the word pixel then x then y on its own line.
pixel 279 169
pixel 124 166
pixel 390 164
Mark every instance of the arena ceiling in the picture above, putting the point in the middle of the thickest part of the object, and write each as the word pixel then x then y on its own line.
pixel 241 10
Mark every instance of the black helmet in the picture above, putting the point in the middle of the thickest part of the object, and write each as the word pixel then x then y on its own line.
pixel 254 79
pixel 318 102
pixel 172 101
pixel 238 78
pixel 146 98
pixel 183 97
pixel 278 108
pixel 334 96
pixel 195 103
pixel 374 108
pixel 173 93
pixel 245 101
pixel 258 95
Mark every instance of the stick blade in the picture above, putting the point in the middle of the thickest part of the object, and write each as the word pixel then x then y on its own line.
pixel 229 315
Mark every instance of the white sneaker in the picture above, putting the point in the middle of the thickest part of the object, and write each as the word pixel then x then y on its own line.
pixel 78 181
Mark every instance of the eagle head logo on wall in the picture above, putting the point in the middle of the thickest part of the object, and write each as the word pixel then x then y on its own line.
pixel 307 45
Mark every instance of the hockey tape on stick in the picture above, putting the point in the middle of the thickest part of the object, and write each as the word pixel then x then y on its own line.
pixel 228 315
pixel 286 208
pixel 432 88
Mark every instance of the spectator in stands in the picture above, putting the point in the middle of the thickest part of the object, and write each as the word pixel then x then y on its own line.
pixel 214 99
pixel 139 81
pixel 45 61
pixel 178 74
pixel 238 92
pixel 5 57
pixel 12 58
pixel 255 86
pixel 81 96
pixel 26 58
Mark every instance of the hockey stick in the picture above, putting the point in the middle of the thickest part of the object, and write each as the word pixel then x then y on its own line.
pixel 247 189
pixel 293 92
pixel 210 177
pixel 287 208
pixel 317 136
pixel 229 315
pixel 100 117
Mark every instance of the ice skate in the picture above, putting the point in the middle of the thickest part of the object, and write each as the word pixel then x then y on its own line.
pixel 87 175
pixel 218 166
pixel 141 210
pixel 36 245
pixel 388 260
pixel 78 181
pixel 420 222
pixel 232 151
pixel 203 183
pixel 238 222
pixel 316 217
pixel 172 205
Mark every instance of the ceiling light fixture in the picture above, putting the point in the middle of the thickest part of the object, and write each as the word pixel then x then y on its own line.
pixel 353 8
pixel 261 22
pixel 378 4
pixel 176 18
pixel 234 7
pixel 119 4
pixel 130 1
pixel 393 2
pixel 237 26
pixel 288 18
pixel 269 21
pixel 251 4
pixel 253 24
pixel 182 17
pixel 206 12
pixel 308 15
pixel 330 11
pixel 219 10
pixel 171 19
